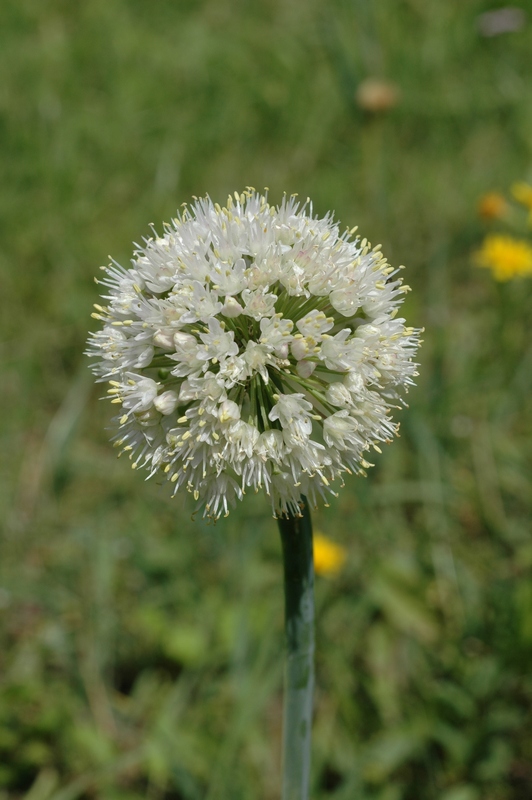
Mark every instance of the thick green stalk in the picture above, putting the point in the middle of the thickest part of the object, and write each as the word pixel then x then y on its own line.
pixel 296 537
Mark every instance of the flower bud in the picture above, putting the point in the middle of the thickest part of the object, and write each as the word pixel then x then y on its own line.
pixel 187 392
pixel 305 368
pixel 147 419
pixel 145 357
pixel 354 382
pixel 231 308
pixel 184 340
pixel 166 402
pixel 164 338
pixel 338 395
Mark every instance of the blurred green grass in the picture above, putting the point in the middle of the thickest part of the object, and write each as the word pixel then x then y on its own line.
pixel 140 651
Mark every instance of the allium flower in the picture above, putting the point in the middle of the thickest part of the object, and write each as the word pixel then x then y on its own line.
pixel 253 346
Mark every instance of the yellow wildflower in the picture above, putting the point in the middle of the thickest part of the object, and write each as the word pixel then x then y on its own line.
pixel 492 206
pixel 506 257
pixel 523 194
pixel 329 557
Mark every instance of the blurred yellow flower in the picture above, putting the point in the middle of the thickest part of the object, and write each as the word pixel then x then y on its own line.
pixel 506 257
pixel 523 194
pixel 492 206
pixel 329 557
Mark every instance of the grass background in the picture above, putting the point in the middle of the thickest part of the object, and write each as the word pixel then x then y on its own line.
pixel 140 653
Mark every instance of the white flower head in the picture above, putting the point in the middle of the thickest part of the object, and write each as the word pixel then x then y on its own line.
pixel 253 346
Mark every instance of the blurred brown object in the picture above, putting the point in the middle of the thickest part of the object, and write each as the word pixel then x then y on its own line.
pixel 377 95
pixel 492 206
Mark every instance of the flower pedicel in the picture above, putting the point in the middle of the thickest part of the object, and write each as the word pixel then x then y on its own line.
pixel 253 346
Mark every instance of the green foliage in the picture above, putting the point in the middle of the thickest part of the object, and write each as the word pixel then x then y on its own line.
pixel 140 652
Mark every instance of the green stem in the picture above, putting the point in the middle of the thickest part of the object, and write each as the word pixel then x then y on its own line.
pixel 296 537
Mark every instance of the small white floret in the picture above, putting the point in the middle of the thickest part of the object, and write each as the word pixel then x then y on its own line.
pixel 166 403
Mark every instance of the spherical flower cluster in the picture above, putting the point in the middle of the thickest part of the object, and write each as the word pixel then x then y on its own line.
pixel 253 346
